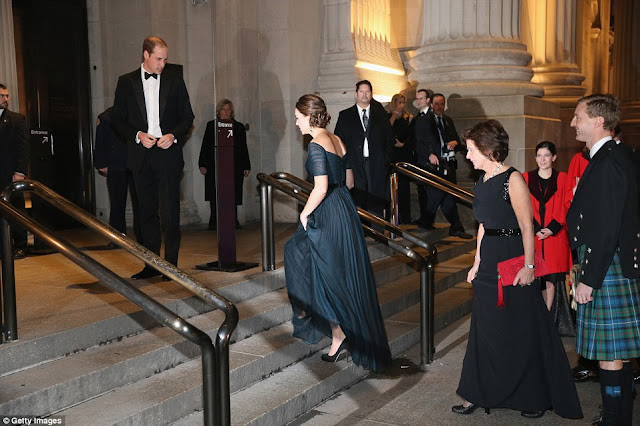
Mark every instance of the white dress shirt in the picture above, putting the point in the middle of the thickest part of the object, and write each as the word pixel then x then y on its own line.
pixel 365 147
pixel 151 88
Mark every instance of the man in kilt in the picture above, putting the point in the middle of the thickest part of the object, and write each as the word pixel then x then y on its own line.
pixel 604 228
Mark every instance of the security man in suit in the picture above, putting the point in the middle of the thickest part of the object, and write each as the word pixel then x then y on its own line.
pixel 14 160
pixel 367 133
pixel 110 158
pixel 153 114
pixel 436 143
pixel 604 228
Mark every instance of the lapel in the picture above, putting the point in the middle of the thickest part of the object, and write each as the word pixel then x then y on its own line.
pixel 138 94
pixel 165 85
pixel 602 152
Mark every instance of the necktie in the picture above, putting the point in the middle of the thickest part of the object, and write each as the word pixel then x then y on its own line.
pixel 441 128
pixel 147 75
pixel 421 114
pixel 440 123
pixel 365 119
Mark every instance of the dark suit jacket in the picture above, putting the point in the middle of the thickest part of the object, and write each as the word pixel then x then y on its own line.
pixel 428 137
pixel 241 161
pixel 130 116
pixel 110 150
pixel 380 139
pixel 14 146
pixel 604 214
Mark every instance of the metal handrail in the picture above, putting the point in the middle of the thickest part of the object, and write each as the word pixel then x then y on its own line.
pixel 425 264
pixel 424 177
pixel 215 356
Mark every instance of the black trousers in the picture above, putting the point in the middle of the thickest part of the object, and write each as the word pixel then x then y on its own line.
pixel 158 190
pixel 440 199
pixel 119 182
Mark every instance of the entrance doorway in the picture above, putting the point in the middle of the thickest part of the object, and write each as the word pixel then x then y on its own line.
pixel 53 67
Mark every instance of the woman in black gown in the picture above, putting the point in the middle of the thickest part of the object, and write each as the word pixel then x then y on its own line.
pixel 402 151
pixel 328 272
pixel 515 358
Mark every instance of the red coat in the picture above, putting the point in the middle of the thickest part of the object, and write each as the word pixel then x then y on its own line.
pixel 553 204
pixel 576 168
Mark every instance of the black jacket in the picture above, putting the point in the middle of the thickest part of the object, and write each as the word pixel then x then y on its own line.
pixel 14 146
pixel 380 139
pixel 110 150
pixel 130 116
pixel 604 214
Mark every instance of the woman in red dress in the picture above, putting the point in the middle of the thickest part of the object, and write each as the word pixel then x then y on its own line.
pixel 549 201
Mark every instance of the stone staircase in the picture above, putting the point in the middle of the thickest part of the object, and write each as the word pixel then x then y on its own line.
pixel 125 370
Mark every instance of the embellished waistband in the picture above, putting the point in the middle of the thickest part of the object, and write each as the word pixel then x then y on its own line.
pixel 502 232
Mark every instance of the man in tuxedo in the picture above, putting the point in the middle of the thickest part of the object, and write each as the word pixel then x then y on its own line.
pixel 110 158
pixel 14 159
pixel 436 143
pixel 367 133
pixel 153 114
pixel 423 102
pixel 604 228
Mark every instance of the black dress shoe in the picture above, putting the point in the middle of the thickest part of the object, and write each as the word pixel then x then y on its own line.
pixel 343 348
pixel 461 409
pixel 19 253
pixel 532 414
pixel 583 374
pixel 145 273
pixel 461 234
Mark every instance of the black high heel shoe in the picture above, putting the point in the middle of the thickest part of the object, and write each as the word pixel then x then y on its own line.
pixel 344 347
pixel 461 409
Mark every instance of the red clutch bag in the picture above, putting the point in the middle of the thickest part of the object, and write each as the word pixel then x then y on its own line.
pixel 508 269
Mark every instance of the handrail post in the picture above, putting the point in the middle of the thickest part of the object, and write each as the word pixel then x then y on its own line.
pixel 268 240
pixel 8 312
pixel 427 314
pixel 223 389
pixel 210 398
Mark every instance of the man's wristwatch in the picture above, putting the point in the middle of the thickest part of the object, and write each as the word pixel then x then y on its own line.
pixel 529 265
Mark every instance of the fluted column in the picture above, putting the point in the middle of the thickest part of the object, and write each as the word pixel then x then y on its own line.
pixel 549 31
pixel 357 46
pixel 8 73
pixel 626 66
pixel 473 48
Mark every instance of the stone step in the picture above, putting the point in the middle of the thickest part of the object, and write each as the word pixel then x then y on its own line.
pixel 287 394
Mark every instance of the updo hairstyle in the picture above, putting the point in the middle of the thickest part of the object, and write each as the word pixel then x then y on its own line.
pixel 490 138
pixel 314 107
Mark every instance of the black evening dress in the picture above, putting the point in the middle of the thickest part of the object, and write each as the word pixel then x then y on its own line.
pixel 515 358
pixel 328 271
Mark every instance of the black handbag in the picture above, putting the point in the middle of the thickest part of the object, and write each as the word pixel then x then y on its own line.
pixel 561 311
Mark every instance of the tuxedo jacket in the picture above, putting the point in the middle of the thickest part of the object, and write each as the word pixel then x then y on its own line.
pixel 380 138
pixel 428 136
pixel 130 116
pixel 110 150
pixel 14 146
pixel 604 214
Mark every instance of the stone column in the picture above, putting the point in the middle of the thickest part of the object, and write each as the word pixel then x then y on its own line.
pixel 549 31
pixel 473 48
pixel 8 73
pixel 626 66
pixel 357 46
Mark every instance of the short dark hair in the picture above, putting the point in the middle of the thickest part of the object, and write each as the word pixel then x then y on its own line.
pixel 435 95
pixel 549 145
pixel 490 138
pixel 314 107
pixel 149 44
pixel 603 105
pixel 360 83
pixel 2 86
pixel 428 93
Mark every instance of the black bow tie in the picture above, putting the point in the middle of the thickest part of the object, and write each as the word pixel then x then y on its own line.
pixel 147 75
pixel 421 114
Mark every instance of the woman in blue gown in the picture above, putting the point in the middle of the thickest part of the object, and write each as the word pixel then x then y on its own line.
pixel 328 272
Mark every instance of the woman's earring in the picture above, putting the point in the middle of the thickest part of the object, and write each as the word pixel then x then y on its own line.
pixel 310 129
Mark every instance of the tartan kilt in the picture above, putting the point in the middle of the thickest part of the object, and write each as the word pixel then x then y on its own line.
pixel 609 325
